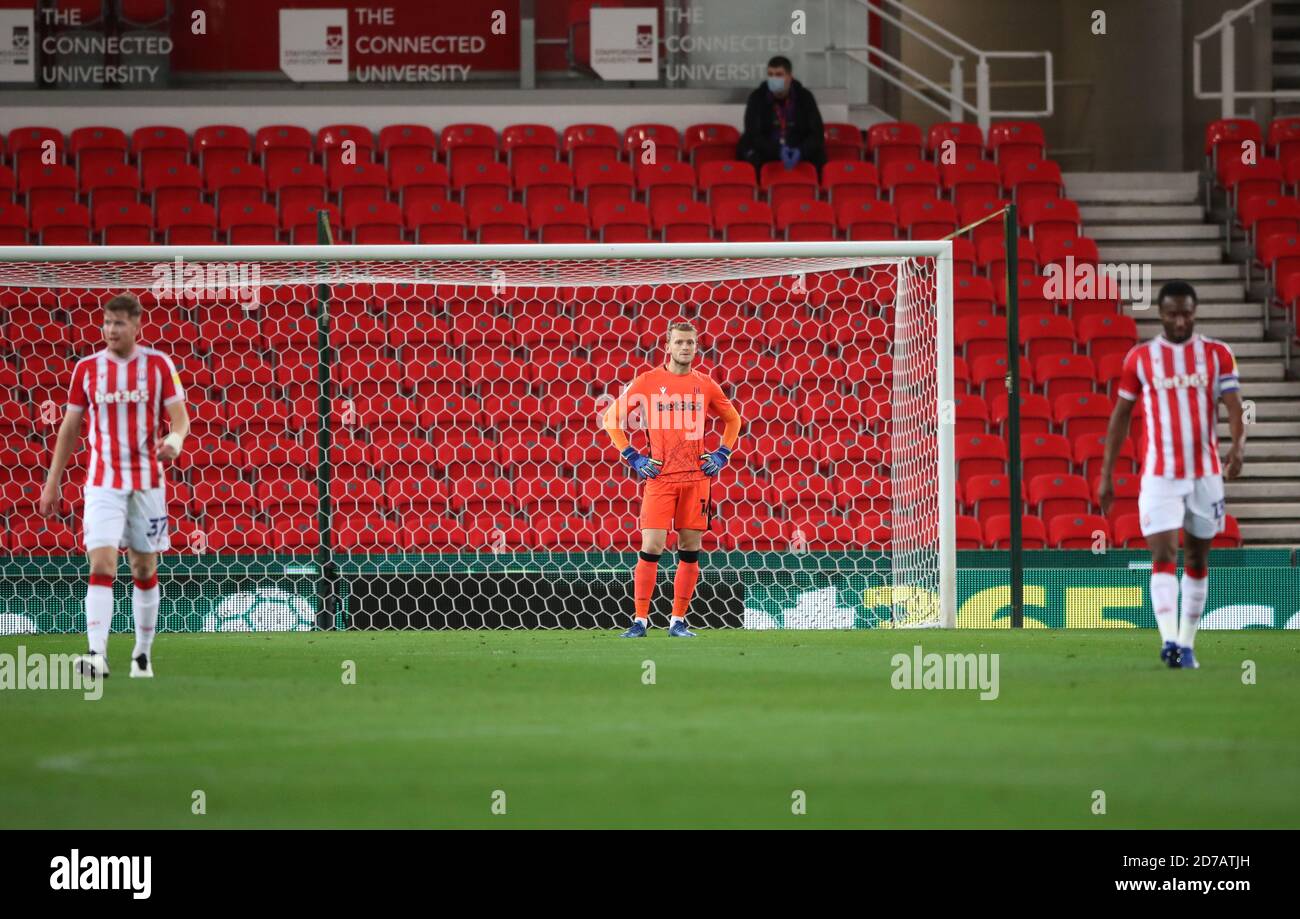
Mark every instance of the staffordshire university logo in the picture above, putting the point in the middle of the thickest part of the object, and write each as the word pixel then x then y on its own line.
pixel 103 872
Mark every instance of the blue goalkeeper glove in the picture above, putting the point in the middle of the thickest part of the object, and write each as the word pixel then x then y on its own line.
pixel 711 463
pixel 643 466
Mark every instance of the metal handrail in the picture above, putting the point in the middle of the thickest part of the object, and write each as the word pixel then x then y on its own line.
pixel 1228 93
pixel 957 106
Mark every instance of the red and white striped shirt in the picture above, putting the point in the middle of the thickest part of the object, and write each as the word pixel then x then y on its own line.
pixel 125 399
pixel 1180 387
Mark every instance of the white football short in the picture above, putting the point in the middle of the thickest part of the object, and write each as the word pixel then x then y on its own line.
pixel 1173 504
pixel 119 517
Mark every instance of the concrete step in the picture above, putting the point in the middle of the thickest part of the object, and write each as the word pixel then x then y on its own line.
pixel 1257 533
pixel 1270 470
pixel 1264 513
pixel 1152 231
pixel 1133 187
pixel 1205 311
pixel 1141 213
pixel 1265 450
pixel 1265 409
pixel 1234 330
pixel 1240 490
pixel 1260 390
pixel 1215 290
pixel 1261 430
pixel 1162 252
pixel 1171 272
pixel 1247 351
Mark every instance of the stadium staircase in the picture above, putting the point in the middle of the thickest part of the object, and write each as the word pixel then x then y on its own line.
pixel 1163 219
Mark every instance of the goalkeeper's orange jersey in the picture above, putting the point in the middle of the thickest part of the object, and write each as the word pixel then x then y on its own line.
pixel 673 409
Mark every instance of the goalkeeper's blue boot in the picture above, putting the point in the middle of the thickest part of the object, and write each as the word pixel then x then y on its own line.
pixel 1169 653
pixel 1187 660
pixel 637 630
pixel 678 630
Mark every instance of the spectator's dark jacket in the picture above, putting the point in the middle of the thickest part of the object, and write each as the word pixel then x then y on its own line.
pixel 807 132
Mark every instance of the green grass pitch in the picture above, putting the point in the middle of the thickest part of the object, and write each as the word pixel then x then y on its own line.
pixel 734 724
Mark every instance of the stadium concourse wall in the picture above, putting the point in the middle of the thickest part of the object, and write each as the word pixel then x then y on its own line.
pixel 1249 588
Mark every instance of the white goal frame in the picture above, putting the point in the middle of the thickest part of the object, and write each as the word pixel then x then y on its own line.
pixel 939 250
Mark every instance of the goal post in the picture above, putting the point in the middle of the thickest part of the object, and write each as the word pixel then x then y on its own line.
pixel 465 479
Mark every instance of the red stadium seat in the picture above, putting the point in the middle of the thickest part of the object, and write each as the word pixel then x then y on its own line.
pixel 407 145
pixel 1078 531
pixel 97 147
pixel 1044 455
pixel 989 496
pixel 300 223
pixel 1080 249
pixel 157 147
pixel 843 142
pixel 249 224
pixel 364 183
pixel 1126 488
pixel 1268 215
pixel 1127 530
pixel 1035 413
pixel 651 144
pixel 1029 181
pixel 706 143
pixel 867 220
pixel 62 224
pixel 560 222
pixel 666 182
pixel 417 183
pixel 282 144
pixel 235 184
pixel 604 182
pixel 909 180
pixel 976 210
pixel 43 185
pixel 590 144
pixel 467 145
pixel 182 224
pixel 345 145
pixel 295 185
pixel 893 142
pixel 683 221
pixel 1102 335
pixel 743 221
pixel 500 222
pixel 972 296
pixel 526 145
pixel 980 455
pixel 109 183
pixel 222 145
pixel 28 148
pixel 1059 374
pixel 1045 336
pixel 782 185
pixel 373 222
pixel 927 218
pixel 997 532
pixel 991 258
pixel 848 181
pixel 542 183
pixel 621 221
pixel 1284 138
pixel 970 415
pixel 172 185
pixel 806 220
pixel 1089 450
pixel 988 372
pixel 981 336
pixel 1077 414
pixel 124 224
pixel 971 180
pixel 1052 495
pixel 1230 538
pixel 1243 181
pixel 1050 219
pixel 954 142
pixel 1016 141
pixel 727 181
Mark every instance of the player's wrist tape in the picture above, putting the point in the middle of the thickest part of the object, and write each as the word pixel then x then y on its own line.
pixel 175 441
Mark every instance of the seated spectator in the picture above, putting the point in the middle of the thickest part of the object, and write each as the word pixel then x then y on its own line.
pixel 782 122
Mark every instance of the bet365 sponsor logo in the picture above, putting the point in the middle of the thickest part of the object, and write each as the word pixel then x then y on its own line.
pixel 103 872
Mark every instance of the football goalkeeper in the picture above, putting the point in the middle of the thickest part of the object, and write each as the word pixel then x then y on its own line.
pixel 674 401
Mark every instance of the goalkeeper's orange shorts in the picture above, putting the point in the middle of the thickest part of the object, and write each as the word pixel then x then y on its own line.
pixel 675 503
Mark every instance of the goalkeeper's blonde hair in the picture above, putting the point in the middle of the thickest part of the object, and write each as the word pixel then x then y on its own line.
pixel 680 325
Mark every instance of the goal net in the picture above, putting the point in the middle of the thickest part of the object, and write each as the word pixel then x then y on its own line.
pixel 410 436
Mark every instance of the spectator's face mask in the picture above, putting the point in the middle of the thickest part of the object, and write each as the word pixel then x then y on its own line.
pixel 776 84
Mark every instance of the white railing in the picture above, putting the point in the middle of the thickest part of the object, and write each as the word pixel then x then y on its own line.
pixel 1226 29
pixel 948 46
